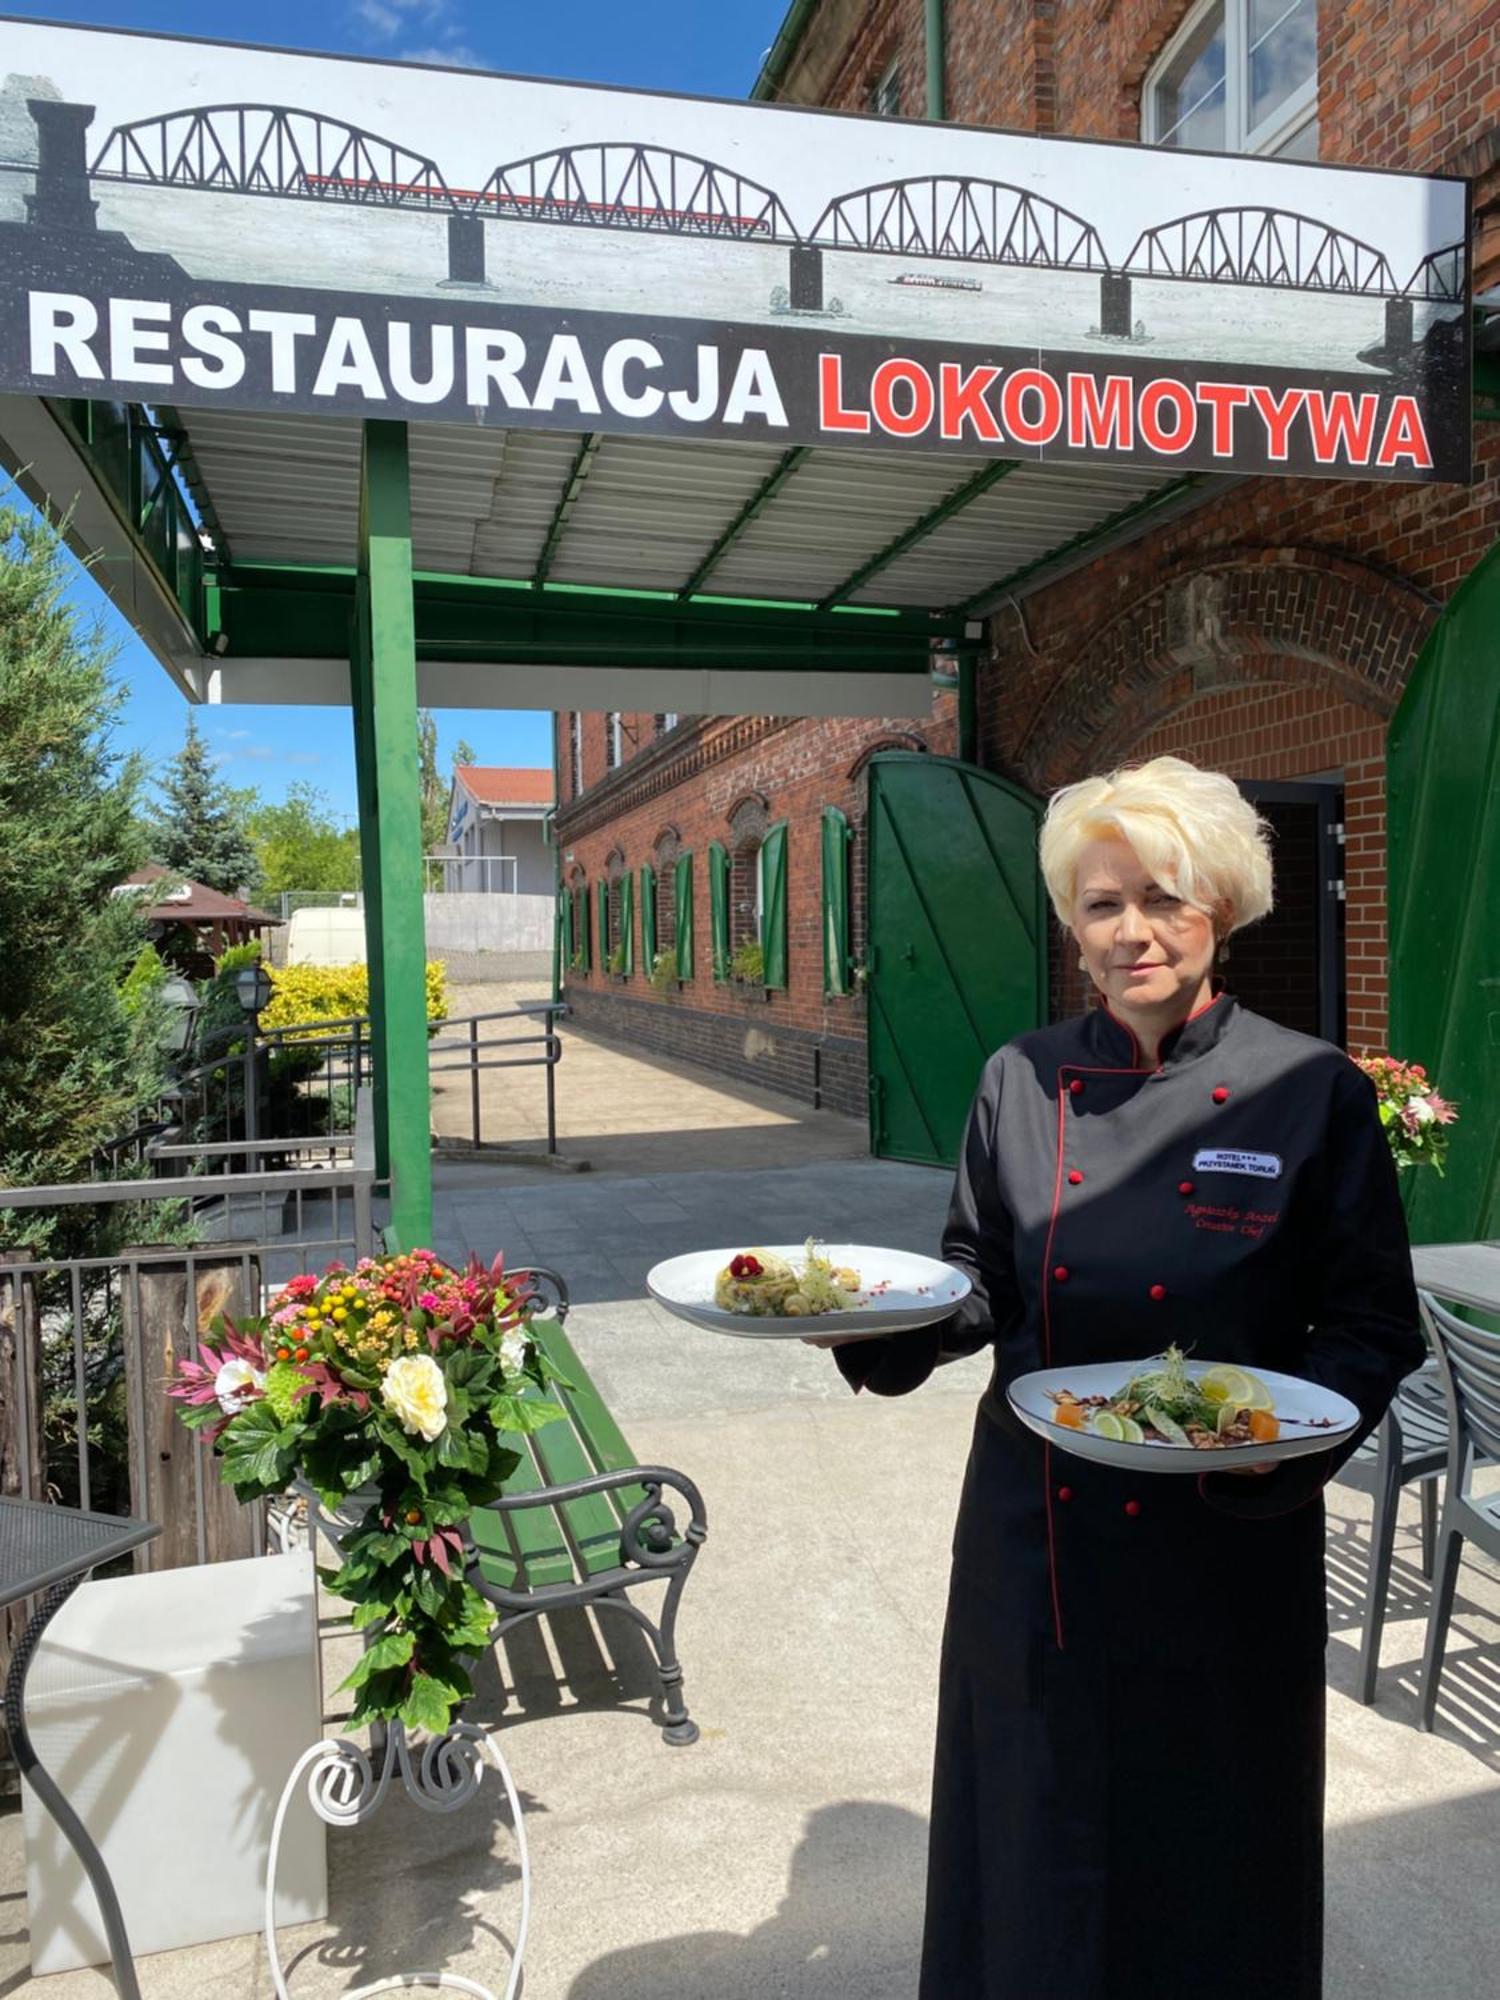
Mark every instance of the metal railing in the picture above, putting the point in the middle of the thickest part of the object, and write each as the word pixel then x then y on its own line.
pixel 470 874
pixel 78 1323
pixel 475 1055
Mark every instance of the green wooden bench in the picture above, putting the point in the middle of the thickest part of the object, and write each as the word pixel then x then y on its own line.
pixel 583 1522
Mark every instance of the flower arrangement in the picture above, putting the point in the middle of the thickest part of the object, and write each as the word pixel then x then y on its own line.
pixel 395 1383
pixel 1415 1117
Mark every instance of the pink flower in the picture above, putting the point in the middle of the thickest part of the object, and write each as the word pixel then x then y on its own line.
pixel 1443 1112
pixel 428 1301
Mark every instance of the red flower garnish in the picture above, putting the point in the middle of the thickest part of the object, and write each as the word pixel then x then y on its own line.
pixel 745 1267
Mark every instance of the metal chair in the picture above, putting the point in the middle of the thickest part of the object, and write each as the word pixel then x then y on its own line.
pixel 548 1288
pixel 1410 1443
pixel 1468 1359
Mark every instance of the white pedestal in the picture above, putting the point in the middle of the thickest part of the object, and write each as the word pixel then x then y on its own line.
pixel 170 1709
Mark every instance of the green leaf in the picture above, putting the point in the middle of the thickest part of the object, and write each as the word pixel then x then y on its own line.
pixel 392 1649
pixel 368 1614
pixel 259 1453
pixel 518 1413
pixel 430 1590
pixel 430 1703
pixel 462 1451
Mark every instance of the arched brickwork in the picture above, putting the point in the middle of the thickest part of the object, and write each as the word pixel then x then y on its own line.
pixel 1283 614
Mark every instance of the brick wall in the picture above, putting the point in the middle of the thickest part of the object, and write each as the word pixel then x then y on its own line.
pixel 1270 633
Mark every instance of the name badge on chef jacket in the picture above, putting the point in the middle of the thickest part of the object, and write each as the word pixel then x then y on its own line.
pixel 1263 1166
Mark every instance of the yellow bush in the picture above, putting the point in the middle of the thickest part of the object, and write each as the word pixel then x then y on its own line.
pixel 337 992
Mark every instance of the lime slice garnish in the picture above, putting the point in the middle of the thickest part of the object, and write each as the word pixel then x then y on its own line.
pixel 1106 1424
pixel 1131 1431
pixel 1167 1427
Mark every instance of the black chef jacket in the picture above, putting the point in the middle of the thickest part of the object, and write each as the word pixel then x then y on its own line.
pixel 1240 1199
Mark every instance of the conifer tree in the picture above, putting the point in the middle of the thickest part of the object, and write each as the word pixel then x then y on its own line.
pixel 200 831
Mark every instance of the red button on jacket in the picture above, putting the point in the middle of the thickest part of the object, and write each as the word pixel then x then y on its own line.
pixel 1065 1493
pixel 1221 1095
pixel 1132 1508
pixel 1060 1273
pixel 1075 1177
pixel 1076 1086
pixel 1184 1187
pixel 1158 1292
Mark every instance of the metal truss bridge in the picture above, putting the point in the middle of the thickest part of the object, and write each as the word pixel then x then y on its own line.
pixel 263 149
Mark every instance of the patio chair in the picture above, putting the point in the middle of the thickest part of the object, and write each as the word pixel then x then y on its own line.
pixel 1468 1360
pixel 1410 1443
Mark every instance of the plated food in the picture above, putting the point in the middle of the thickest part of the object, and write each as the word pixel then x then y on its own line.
pixel 763 1282
pixel 1167 1413
pixel 787 1291
pixel 1222 1407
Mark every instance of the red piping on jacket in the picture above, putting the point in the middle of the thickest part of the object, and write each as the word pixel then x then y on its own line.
pixel 1135 1046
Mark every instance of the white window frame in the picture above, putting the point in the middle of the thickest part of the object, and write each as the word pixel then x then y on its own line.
pixel 1289 117
pixel 888 82
pixel 615 739
pixel 576 747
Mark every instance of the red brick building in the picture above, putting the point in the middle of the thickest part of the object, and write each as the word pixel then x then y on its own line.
pixel 1267 630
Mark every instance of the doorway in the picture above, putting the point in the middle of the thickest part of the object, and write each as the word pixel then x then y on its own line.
pixel 1290 966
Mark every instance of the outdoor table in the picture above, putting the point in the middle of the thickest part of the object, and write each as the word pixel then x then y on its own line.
pixel 48 1551
pixel 1464 1274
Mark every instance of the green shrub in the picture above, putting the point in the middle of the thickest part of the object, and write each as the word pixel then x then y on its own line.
pixel 616 960
pixel 664 971
pixel 337 992
pixel 748 965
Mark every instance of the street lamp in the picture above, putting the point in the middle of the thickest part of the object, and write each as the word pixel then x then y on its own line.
pixel 180 998
pixel 252 988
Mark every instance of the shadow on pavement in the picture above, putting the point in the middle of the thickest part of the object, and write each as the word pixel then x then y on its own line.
pixel 848 1928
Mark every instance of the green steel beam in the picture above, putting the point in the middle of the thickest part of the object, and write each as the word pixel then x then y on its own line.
pixel 1100 530
pixel 384 669
pixel 289 613
pixel 954 503
pixel 934 39
pixel 578 472
pixel 769 487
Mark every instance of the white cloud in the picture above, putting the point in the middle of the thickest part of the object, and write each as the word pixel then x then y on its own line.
pixel 454 55
pixel 383 20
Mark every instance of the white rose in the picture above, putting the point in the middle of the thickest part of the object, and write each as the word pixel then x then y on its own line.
pixel 1421 1109
pixel 513 1351
pixel 231 1382
pixel 417 1390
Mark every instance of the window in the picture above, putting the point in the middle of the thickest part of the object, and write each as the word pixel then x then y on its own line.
pixel 1239 76
pixel 665 721
pixel 612 740
pixel 885 96
pixel 575 752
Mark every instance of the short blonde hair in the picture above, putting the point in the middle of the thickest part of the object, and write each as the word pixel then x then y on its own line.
pixel 1195 830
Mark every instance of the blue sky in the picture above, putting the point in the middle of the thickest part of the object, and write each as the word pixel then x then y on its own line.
pixel 712 47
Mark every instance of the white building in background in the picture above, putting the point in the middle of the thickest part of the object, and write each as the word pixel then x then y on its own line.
pixel 497 841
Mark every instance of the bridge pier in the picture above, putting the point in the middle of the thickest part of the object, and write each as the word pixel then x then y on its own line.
pixel 805 278
pixel 1398 328
pixel 1114 305
pixel 62 199
pixel 465 250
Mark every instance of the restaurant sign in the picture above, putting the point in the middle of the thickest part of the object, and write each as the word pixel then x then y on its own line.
pixel 212 225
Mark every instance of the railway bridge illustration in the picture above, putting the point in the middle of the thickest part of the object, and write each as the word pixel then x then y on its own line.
pixel 624 185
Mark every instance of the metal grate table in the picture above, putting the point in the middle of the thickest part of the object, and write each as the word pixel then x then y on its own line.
pixel 47 1552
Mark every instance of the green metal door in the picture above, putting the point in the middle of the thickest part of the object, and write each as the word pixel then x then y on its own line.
pixel 958 944
pixel 1443 821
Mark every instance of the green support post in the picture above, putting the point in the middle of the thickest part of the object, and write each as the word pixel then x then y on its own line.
pixel 383 681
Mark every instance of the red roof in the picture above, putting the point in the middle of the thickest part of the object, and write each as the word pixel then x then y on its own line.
pixel 197 904
pixel 505 785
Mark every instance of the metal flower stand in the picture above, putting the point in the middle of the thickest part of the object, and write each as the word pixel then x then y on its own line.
pixel 343 1790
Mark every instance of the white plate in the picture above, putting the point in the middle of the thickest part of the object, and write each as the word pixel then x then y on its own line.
pixel 1293 1398
pixel 917 1291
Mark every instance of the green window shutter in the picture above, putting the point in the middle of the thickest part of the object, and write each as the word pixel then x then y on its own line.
pixel 773 904
pixel 683 882
pixel 836 836
pixel 604 927
pixel 627 918
pixel 718 907
pixel 586 918
pixel 565 916
pixel 648 918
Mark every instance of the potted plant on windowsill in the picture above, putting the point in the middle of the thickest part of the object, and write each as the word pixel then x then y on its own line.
pixel 614 965
pixel 389 1390
pixel 747 970
pixel 664 972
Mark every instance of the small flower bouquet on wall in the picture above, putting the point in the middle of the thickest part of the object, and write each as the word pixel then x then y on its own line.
pixel 1415 1117
pixel 390 1390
